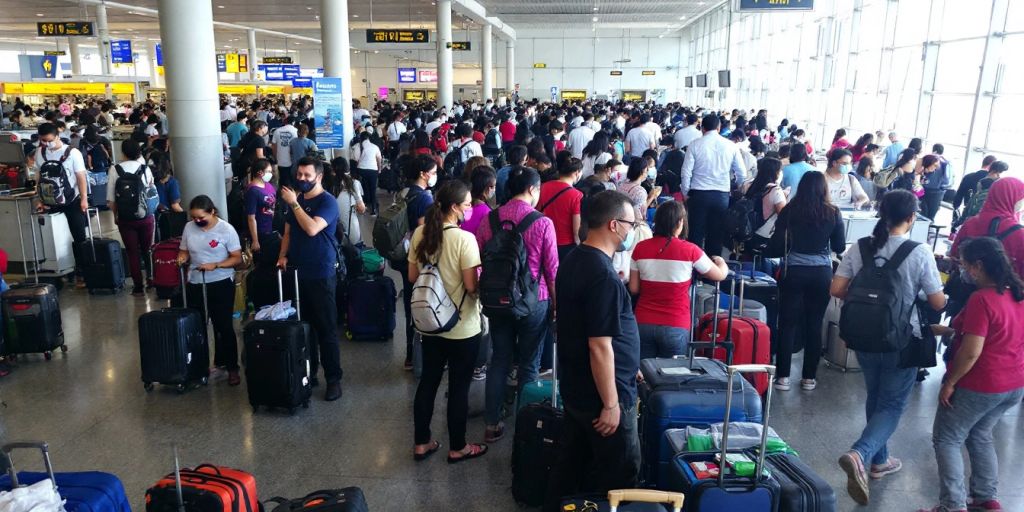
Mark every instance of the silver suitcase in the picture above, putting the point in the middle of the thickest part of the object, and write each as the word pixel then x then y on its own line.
pixel 836 354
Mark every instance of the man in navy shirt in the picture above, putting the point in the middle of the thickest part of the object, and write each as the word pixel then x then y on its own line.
pixel 309 245
pixel 598 356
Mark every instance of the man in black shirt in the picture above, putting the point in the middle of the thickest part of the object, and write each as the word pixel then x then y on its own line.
pixel 970 182
pixel 598 356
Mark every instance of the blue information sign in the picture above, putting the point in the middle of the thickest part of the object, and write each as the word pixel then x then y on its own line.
pixel 280 72
pixel 159 55
pixel 302 82
pixel 121 51
pixel 406 75
pixel 222 62
pixel 327 113
pixel 775 5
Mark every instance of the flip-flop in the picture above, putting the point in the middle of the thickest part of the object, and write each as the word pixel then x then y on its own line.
pixel 481 450
pixel 425 455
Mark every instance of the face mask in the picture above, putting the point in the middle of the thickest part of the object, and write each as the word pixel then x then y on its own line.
pixel 202 223
pixel 466 215
pixel 652 173
pixel 304 186
pixel 52 144
pixel 267 176
pixel 845 168
pixel 432 181
pixel 627 243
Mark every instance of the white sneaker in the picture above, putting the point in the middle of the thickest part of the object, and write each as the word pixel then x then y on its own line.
pixel 808 384
pixel 782 383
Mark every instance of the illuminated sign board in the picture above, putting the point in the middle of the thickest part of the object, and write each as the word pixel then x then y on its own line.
pixel 65 28
pixel 121 51
pixel 398 36
pixel 774 5
pixel 574 95
pixel 428 76
pixel 647 72
pixel 406 75
pixel 616 73
pixel 277 60
pixel 461 46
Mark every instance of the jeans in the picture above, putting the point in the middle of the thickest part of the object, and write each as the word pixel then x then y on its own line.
pixel 930 203
pixel 460 356
pixel 520 338
pixel 707 209
pixel 662 340
pixel 138 237
pixel 410 331
pixel 587 462
pixel 78 222
pixel 888 388
pixel 319 308
pixel 970 421
pixel 220 298
pixel 803 298
pixel 368 178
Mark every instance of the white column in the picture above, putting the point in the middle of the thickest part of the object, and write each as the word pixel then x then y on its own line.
pixel 486 64
pixel 103 45
pixel 75 56
pixel 510 67
pixel 252 55
pixel 444 53
pixel 337 58
pixel 193 107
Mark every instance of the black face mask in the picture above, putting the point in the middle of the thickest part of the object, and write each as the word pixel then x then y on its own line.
pixel 202 222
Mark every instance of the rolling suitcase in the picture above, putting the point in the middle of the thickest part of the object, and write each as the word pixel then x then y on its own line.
pixel 348 499
pixel 104 264
pixel 837 354
pixel 535 445
pixel 626 500
pixel 728 491
pixel 170 224
pixel 32 322
pixel 85 491
pixel 802 490
pixel 277 359
pixel 172 345
pixel 207 488
pixel 261 287
pixel 763 289
pixel 165 268
pixel 371 313
pixel 749 339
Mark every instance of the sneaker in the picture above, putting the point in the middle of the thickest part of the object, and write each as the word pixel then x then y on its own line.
pixel 983 506
pixel 333 391
pixel 856 479
pixel 480 373
pixel 218 373
pixel 782 383
pixel 891 466
pixel 138 291
pixel 493 434
pixel 545 375
pixel 808 384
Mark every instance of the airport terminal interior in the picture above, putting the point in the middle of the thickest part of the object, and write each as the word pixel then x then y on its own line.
pixel 897 116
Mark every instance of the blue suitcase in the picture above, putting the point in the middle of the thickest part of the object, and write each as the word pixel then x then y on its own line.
pixel 87 491
pixel 626 500
pixel 371 310
pixel 754 493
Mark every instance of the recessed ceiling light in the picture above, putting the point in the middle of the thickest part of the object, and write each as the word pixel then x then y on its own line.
pixel 355 15
pixel 682 17
pixel 661 36
pixel 298 43
pixel 700 3
pixel 40 14
pixel 594 18
pixel 317 17
pixel 376 51
pixel 309 8
pixel 220 6
pixel 595 8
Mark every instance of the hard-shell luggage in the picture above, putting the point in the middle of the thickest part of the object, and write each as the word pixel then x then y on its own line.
pixel 165 268
pixel 103 266
pixel 763 289
pixel 172 345
pixel 626 500
pixel 348 499
pixel 207 488
pixel 728 491
pixel 837 355
pixel 277 367
pixel 371 310
pixel 802 490
pixel 85 491
pixel 32 322
pixel 749 339
pixel 536 443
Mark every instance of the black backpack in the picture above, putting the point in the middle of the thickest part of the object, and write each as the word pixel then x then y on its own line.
pixel 875 317
pixel 453 164
pixel 507 287
pixel 54 187
pixel 131 193
pixel 743 218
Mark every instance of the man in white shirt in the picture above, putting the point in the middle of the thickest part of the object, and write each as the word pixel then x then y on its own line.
pixel 654 128
pixel 435 123
pixel 76 194
pixel 579 137
pixel 280 145
pixel 595 123
pixel 228 113
pixel 684 136
pixel 467 147
pixel 394 133
pixel 358 112
pixel 640 139
pixel 711 164
pixel 577 121
pixel 620 121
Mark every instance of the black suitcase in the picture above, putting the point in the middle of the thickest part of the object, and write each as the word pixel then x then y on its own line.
pixel 103 266
pixel 626 500
pixel 535 445
pixel 277 360
pixel 349 499
pixel 261 287
pixel 802 489
pixel 372 310
pixel 32 322
pixel 170 224
pixel 173 347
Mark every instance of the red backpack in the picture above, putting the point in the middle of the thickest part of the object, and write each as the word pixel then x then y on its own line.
pixel 440 141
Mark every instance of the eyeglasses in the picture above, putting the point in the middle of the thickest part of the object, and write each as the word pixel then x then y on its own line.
pixel 632 223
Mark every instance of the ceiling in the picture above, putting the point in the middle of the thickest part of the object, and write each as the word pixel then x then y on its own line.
pixel 300 17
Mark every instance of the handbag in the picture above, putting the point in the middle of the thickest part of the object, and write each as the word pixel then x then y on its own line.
pixel 920 352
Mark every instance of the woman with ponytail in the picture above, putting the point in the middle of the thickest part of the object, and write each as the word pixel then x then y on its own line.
pixel 454 252
pixel 888 384
pixel 983 380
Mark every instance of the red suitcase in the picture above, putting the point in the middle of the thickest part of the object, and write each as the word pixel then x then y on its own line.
pixel 165 267
pixel 750 341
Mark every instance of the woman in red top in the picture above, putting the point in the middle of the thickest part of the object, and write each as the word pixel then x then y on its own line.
pixel 984 379
pixel 661 273
pixel 560 202
pixel 839 141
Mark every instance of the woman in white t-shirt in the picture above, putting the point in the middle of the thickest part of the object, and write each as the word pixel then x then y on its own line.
pixel 350 200
pixel 595 154
pixel 766 185
pixel 843 188
pixel 368 163
pixel 136 227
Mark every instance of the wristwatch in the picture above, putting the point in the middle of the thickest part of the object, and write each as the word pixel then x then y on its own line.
pixel 296 206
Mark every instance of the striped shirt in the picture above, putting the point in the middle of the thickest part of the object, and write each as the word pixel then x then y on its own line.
pixel 665 267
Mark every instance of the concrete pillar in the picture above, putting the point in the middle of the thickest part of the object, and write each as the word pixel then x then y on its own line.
pixel 193 107
pixel 75 56
pixel 337 59
pixel 103 45
pixel 486 65
pixel 252 55
pixel 444 53
pixel 510 67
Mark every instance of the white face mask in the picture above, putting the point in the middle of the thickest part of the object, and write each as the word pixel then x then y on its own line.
pixel 432 181
pixel 52 144
pixel 267 176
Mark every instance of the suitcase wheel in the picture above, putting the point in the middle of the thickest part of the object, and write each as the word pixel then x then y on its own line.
pixel 305 405
pixel 48 355
pixel 64 348
pixel 148 386
pixel 204 380
pixel 180 388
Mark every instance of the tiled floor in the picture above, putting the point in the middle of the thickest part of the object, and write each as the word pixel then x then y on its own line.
pixel 90 406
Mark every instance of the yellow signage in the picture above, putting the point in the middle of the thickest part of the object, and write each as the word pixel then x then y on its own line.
pixel 634 95
pixel 539 65
pixel 236 89
pixel 432 95
pixel 273 89
pixel 414 95
pixel 65 28
pixel 647 72
pixel 231 63
pixel 574 95
pixel 398 36
pixel 160 70
pixel 67 88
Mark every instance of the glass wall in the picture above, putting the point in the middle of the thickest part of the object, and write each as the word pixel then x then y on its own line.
pixel 942 70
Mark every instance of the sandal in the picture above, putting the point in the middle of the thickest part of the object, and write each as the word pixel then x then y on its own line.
pixel 423 456
pixel 475 450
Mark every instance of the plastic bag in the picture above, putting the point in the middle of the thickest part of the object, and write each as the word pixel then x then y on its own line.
pixel 743 435
pixel 276 312
pixel 38 497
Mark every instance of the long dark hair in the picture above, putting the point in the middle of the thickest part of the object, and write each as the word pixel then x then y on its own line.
pixel 342 176
pixel 482 178
pixel 811 204
pixel 895 208
pixel 667 217
pixel 990 253
pixel 907 156
pixel 863 142
pixel 768 170
pixel 597 145
pixel 840 133
pixel 451 193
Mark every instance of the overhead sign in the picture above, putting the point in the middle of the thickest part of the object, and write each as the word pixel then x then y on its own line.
pixel 461 46
pixel 121 51
pixel 65 28
pixel 427 76
pixel 327 113
pixel 616 73
pixel 159 55
pixel 67 88
pixel 554 93
pixel 47 67
pixel 398 36
pixel 647 72
pixel 243 63
pixel 414 95
pixel 406 75
pixel 640 96
pixel 774 5
pixel 222 62
pixel 55 52
pixel 539 65
pixel 277 60
pixel 302 82
pixel 231 63
pixel 280 72
pixel 576 95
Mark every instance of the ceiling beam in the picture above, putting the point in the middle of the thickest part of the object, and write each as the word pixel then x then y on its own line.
pixel 478 13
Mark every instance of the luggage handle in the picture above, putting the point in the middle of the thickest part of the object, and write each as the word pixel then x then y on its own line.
pixel 177 481
pixel 616 497
pixel 39 445
pixel 554 363
pixel 280 291
pixel 733 371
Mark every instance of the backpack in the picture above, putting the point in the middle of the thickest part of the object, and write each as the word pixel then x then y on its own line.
pixel 54 186
pixel 98 156
pixel 433 310
pixel 975 203
pixel 391 228
pixel 744 217
pixel 134 200
pixel 453 164
pixel 875 317
pixel 493 140
pixel 440 142
pixel 885 177
pixel 507 287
